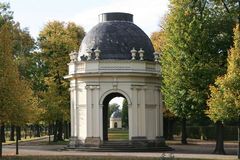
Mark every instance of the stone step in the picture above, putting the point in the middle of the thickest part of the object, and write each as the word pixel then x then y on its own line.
pixel 116 145
pixel 91 149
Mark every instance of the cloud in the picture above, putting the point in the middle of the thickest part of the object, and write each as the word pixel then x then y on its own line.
pixel 147 13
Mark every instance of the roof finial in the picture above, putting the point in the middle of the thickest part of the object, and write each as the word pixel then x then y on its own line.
pixel 141 54
pixel 156 56
pixel 97 53
pixel 134 52
pixel 73 56
pixel 89 56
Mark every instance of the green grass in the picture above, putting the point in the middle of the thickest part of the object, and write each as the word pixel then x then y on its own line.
pixel 118 134
pixel 24 140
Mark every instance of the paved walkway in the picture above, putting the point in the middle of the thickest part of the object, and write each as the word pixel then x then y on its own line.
pixel 195 149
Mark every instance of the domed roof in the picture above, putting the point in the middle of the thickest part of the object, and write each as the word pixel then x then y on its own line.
pixel 116 114
pixel 115 36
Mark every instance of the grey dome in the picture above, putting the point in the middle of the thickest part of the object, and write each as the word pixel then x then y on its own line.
pixel 116 114
pixel 116 35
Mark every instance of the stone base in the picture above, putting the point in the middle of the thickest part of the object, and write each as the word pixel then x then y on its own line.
pixel 74 142
pixel 142 142
pixel 92 142
pixel 139 142
pixel 160 141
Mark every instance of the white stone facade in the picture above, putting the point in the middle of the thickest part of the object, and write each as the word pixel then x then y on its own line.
pixel 115 123
pixel 91 82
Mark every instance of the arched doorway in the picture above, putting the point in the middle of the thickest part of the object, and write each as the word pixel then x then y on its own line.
pixel 106 117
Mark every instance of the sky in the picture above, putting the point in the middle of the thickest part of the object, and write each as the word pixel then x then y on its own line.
pixel 34 14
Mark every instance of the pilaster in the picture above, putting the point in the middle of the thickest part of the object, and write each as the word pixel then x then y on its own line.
pixel 142 111
pixel 161 114
pixel 134 113
pixel 93 135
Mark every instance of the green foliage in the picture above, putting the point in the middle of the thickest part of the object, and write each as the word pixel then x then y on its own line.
pixel 224 102
pixel 112 108
pixel 158 40
pixel 125 114
pixel 5 14
pixel 56 41
pixel 197 36
pixel 18 104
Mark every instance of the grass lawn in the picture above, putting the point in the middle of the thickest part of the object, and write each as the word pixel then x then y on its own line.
pixel 117 134
pixel 87 158
pixel 27 139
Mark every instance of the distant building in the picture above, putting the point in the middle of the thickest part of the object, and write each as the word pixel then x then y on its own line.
pixel 116 119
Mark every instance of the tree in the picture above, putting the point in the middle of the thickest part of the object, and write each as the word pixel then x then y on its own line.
pixel 5 14
pixel 125 114
pixel 56 41
pixel 6 79
pixel 18 105
pixel 158 40
pixel 112 108
pixel 224 102
pixel 193 55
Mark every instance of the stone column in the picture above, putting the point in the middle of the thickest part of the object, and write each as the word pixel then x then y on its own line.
pixel 73 98
pixel 134 113
pixel 96 108
pixel 161 115
pixel 89 111
pixel 160 141
pixel 142 115
pixel 101 121
pixel 157 104
pixel 92 109
pixel 138 109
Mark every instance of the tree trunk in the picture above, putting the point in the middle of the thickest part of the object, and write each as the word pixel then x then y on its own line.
pixel 0 143
pixel 30 131
pixel 60 131
pixel 184 131
pixel 49 133
pixel 168 128
pixel 219 149
pixel 25 132
pixel 18 133
pixel 64 130
pixel 37 130
pixel 12 133
pixel 66 133
pixel 55 132
pixel 3 133
pixel 67 130
pixel 239 124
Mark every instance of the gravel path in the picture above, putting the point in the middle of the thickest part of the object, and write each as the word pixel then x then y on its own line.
pixel 195 149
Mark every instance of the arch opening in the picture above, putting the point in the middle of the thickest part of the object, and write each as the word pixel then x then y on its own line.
pixel 115 118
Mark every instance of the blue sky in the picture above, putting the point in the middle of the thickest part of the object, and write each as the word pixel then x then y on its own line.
pixel 33 14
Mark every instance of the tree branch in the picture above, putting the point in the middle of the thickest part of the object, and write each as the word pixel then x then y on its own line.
pixel 225 6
